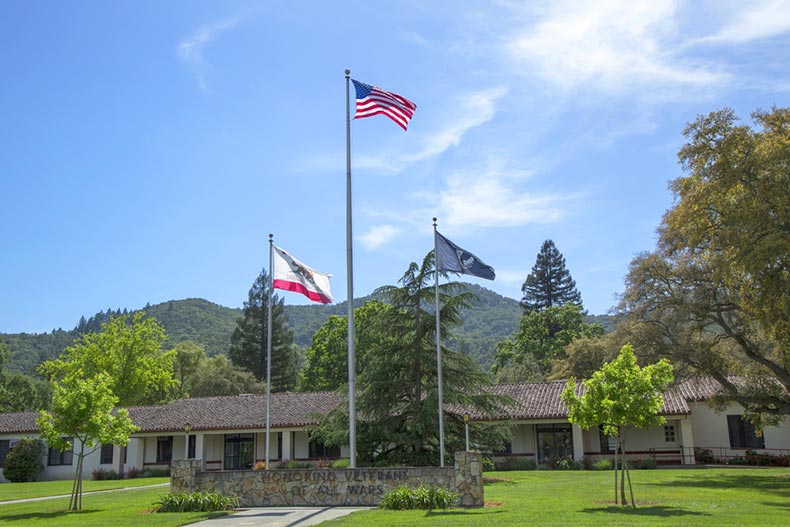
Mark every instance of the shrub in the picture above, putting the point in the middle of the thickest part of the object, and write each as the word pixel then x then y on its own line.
pixel 516 463
pixel 100 474
pixel 566 463
pixel 342 463
pixel 260 465
pixel 292 463
pixel 765 459
pixel 133 473
pixel 195 502
pixel 703 456
pixel 602 464
pixel 422 497
pixel 488 464
pixel 648 463
pixel 155 473
pixel 25 460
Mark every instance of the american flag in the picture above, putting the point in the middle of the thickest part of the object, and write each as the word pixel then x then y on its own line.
pixel 375 101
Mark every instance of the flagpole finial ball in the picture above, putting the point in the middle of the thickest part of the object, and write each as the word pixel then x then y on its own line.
pixel 434 219
pixel 271 236
pixel 348 72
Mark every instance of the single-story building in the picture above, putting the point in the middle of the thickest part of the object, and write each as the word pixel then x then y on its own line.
pixel 228 432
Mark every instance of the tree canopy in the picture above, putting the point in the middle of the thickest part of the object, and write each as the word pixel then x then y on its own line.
pixel 326 360
pixel 550 283
pixel 715 293
pixel 128 350
pixel 248 344
pixel 82 409
pixel 618 397
pixel 540 341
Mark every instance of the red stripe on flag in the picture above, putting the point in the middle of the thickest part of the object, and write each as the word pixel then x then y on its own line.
pixel 382 102
pixel 296 287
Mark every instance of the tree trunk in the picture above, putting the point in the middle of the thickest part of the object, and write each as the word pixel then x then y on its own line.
pixel 615 474
pixel 74 488
pixel 622 478
pixel 627 473
pixel 75 504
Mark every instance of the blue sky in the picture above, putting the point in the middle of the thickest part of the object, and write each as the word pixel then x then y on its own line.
pixel 148 148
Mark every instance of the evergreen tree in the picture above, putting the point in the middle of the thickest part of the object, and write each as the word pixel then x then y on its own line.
pixel 249 340
pixel 398 395
pixel 550 283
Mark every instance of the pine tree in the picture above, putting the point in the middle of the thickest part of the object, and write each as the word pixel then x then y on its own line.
pixel 550 283
pixel 249 340
pixel 398 395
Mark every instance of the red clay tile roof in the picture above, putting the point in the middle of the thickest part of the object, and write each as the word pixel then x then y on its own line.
pixel 696 390
pixel 538 400
pixel 235 412
pixel 541 400
pixel 20 422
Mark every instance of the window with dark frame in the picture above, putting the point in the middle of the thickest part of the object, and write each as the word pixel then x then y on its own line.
pixel 164 449
pixel 191 446
pixel 57 457
pixel 317 449
pixel 238 451
pixel 743 433
pixel 669 433
pixel 106 455
pixel 279 445
pixel 554 440
pixel 607 442
pixel 5 447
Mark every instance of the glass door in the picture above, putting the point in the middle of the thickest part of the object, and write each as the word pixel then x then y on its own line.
pixel 554 441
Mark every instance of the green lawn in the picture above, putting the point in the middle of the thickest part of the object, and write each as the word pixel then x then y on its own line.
pixel 18 491
pixel 664 497
pixel 122 509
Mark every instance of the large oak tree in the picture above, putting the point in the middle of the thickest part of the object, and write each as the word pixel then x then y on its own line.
pixel 715 294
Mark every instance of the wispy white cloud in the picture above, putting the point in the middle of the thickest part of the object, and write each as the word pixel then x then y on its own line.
pixel 511 277
pixel 495 200
pixel 378 235
pixel 754 21
pixel 471 110
pixel 191 49
pixel 616 46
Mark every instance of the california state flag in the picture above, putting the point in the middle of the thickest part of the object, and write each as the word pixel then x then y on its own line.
pixel 292 275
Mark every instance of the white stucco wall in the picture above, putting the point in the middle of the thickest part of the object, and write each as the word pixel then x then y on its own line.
pixel 91 462
pixel 710 428
pixel 523 439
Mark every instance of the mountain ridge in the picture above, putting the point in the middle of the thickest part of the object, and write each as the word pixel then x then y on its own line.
pixel 492 319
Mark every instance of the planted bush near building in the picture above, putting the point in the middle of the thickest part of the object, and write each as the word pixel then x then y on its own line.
pixel 25 461
pixel 515 463
pixel 422 497
pixel 195 502
pixel 100 474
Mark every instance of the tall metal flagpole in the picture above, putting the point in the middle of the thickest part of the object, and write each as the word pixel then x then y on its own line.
pixel 438 344
pixel 269 350
pixel 352 373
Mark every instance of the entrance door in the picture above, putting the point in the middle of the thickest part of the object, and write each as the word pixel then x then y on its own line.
pixel 554 441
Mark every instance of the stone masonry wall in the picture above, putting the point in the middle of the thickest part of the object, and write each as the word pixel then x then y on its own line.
pixel 329 487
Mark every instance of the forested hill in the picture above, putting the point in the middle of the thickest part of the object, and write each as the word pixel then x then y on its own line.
pixel 204 322
pixel 494 318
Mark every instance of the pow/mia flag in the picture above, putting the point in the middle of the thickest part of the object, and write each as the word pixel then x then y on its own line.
pixel 450 257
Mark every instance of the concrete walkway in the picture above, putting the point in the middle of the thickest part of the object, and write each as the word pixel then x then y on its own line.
pixel 279 517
